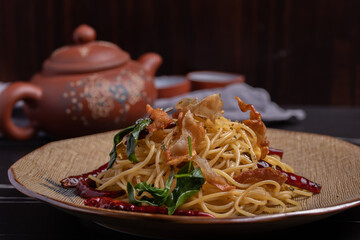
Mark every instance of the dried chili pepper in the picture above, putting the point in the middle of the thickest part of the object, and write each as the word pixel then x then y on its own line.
pixel 109 203
pixel 294 180
pixel 86 189
pixel 73 181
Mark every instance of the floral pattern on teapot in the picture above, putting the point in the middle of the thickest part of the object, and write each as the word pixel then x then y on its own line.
pixel 101 94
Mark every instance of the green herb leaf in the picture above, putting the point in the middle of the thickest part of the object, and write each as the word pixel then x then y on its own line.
pixel 131 194
pixel 156 192
pixel 117 139
pixel 133 132
pixel 140 125
pixel 159 195
pixel 189 182
pixel 133 200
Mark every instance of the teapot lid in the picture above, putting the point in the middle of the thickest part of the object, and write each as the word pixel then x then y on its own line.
pixel 87 55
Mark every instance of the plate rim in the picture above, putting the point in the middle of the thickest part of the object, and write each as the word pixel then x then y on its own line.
pixel 319 212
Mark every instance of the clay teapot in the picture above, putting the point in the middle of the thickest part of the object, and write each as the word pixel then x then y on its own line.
pixel 89 87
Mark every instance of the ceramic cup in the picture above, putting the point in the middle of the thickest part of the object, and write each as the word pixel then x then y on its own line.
pixel 212 79
pixel 170 86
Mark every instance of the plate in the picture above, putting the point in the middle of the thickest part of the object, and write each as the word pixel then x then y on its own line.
pixel 326 160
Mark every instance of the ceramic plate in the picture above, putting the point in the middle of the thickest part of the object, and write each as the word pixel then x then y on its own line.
pixel 326 160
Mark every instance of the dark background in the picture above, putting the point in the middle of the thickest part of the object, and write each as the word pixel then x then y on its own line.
pixel 302 52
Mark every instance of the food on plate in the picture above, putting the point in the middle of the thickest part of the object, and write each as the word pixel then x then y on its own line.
pixel 196 163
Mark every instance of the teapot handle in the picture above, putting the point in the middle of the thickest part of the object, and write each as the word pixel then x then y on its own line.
pixel 8 98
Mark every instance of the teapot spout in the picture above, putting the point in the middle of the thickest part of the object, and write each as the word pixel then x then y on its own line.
pixel 150 62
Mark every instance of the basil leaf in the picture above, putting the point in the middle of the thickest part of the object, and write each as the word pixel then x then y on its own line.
pixel 131 194
pixel 130 149
pixel 117 139
pixel 132 199
pixel 134 136
pixel 188 183
pixel 133 132
pixel 159 195
pixel 179 200
pixel 154 191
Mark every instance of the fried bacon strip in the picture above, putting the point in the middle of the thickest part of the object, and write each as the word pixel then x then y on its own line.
pixel 210 107
pixel 211 176
pixel 260 174
pixel 256 125
pixel 178 151
pixel 160 119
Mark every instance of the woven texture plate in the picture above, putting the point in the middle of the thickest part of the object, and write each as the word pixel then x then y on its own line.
pixel 323 159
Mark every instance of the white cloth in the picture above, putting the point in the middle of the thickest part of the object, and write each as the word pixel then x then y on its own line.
pixel 259 97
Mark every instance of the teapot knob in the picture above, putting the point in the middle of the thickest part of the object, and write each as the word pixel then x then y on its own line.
pixel 84 34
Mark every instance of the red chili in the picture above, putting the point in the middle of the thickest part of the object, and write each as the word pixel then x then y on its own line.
pixel 295 180
pixel 109 203
pixel 86 189
pixel 73 181
pixel 274 151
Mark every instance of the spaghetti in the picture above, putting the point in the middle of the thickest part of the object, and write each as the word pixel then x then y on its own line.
pixel 227 153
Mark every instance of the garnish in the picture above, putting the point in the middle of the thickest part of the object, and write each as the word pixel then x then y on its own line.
pixel 190 147
pixel 190 156
pixel 159 195
pixel 133 132
pixel 134 136
pixel 189 182
pixel 117 139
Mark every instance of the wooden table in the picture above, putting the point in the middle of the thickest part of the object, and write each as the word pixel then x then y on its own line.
pixel 22 217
